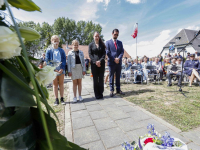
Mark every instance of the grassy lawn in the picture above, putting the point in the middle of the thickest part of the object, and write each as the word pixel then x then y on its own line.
pixel 167 102
pixel 59 110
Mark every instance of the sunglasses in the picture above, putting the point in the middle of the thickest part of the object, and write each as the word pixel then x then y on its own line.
pixel 116 34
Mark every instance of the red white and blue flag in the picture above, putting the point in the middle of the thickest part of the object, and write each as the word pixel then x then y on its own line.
pixel 171 48
pixel 134 35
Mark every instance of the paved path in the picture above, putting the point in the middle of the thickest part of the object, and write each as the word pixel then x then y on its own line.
pixel 105 124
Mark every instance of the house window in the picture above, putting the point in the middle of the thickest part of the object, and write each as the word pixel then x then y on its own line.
pixel 165 54
pixel 198 45
pixel 178 38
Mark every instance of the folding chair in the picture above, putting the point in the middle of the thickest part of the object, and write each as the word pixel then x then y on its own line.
pixel 151 74
pixel 137 68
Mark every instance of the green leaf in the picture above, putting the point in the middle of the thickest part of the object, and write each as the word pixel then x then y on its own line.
pixel 46 93
pixel 12 93
pixel 27 5
pixel 133 143
pixel 35 67
pixel 22 65
pixel 58 141
pixel 44 101
pixel 32 58
pixel 29 34
pixel 18 120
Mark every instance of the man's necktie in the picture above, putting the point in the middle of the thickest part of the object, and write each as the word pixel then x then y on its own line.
pixel 115 44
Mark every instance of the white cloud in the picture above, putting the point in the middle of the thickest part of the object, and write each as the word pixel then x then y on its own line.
pixel 149 48
pixel 193 27
pixel 85 12
pixel 106 2
pixel 134 1
pixel 122 29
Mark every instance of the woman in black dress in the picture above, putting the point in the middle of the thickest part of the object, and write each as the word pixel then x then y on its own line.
pixel 97 55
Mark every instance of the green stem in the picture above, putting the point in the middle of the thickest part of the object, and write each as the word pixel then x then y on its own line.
pixel 32 78
pixel 21 65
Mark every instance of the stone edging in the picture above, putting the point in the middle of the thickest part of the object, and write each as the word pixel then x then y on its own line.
pixel 68 121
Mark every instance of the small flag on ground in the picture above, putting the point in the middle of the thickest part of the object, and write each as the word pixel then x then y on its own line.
pixel 134 35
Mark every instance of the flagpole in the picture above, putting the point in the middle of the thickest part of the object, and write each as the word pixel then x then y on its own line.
pixel 136 44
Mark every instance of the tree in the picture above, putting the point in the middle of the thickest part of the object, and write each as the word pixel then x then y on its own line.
pixel 65 28
pixel 33 47
pixel 68 30
pixel 85 31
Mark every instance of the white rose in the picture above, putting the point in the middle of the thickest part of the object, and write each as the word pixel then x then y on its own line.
pixel 9 43
pixel 1 3
pixel 46 75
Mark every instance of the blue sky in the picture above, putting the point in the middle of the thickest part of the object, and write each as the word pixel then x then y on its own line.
pixel 158 20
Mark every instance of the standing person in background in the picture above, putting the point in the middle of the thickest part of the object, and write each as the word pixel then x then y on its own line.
pixel 97 55
pixel 43 57
pixel 160 58
pixel 87 63
pixel 76 68
pixel 57 55
pixel 115 51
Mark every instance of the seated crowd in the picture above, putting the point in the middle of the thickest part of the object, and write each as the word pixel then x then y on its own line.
pixel 170 67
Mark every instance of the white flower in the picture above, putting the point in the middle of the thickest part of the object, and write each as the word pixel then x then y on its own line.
pixel 9 43
pixel 1 3
pixel 46 75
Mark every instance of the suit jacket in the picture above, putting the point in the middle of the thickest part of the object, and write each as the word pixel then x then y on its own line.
pixel 112 53
pixel 97 54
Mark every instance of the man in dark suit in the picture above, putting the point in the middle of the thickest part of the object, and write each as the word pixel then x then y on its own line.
pixel 114 51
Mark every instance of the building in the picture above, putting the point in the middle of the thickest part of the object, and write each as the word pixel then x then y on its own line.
pixel 84 48
pixel 181 40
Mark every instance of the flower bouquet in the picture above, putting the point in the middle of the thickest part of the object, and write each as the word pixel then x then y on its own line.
pixel 154 141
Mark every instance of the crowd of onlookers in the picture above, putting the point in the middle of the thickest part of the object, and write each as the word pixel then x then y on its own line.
pixel 170 66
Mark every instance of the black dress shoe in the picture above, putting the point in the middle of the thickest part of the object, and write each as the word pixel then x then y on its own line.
pixel 111 94
pixel 97 97
pixel 101 97
pixel 120 92
pixel 169 84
